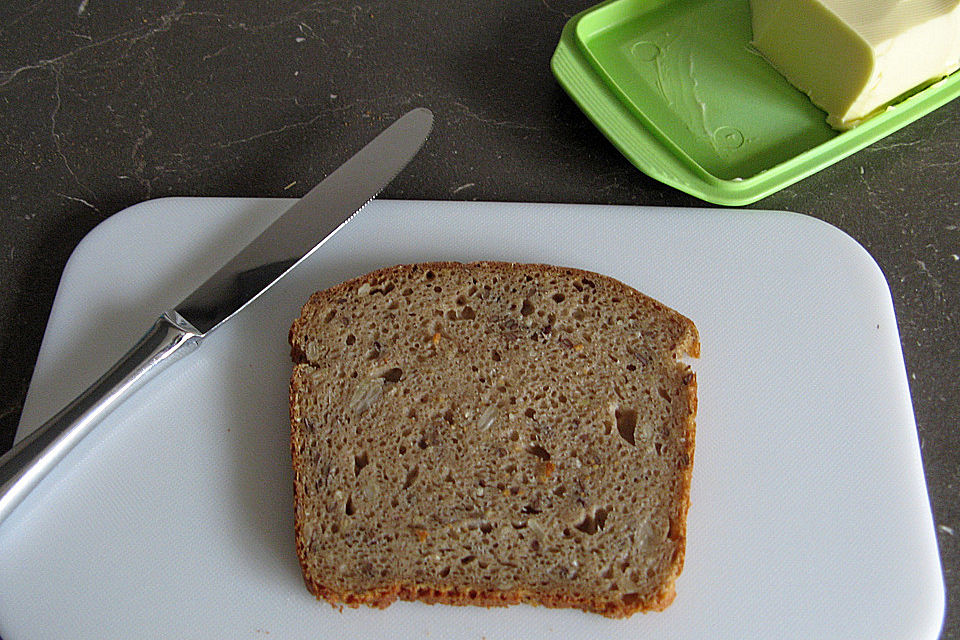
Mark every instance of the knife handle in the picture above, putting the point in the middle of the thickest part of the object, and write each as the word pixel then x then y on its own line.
pixel 26 464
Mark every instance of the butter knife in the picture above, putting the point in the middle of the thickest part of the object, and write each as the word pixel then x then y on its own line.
pixel 297 233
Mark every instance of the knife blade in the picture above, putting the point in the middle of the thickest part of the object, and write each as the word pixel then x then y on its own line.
pixel 287 241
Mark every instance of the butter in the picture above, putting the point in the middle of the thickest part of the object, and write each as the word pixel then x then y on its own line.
pixel 853 57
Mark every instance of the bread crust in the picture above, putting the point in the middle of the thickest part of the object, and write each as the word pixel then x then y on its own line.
pixel 688 344
pixel 457 596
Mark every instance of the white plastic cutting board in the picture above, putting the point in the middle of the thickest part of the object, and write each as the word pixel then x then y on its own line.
pixel 809 516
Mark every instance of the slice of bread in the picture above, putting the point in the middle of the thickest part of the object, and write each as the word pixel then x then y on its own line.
pixel 492 433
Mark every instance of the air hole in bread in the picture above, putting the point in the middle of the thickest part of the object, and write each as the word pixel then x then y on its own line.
pixel 558 297
pixel 486 527
pixel 411 477
pixel 348 508
pixel 444 572
pixel 626 424
pixel 496 356
pixel 588 525
pixel 392 375
pixel 467 313
pixel 359 462
pixel 468 560
pixel 530 412
pixel 351 339
pixel 600 516
pixel 664 393
pixel 330 316
pixel 578 314
pixel 527 307
pixel 535 449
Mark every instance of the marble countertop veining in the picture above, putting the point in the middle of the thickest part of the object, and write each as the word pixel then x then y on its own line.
pixel 104 105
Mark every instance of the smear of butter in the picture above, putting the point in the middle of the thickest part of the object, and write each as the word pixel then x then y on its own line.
pixel 670 63
pixel 853 57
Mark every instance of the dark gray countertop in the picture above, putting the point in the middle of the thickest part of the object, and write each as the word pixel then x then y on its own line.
pixel 104 105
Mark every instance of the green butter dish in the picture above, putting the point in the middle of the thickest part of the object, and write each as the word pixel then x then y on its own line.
pixel 677 87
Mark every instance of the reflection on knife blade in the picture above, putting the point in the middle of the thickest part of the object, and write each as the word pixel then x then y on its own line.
pixel 233 294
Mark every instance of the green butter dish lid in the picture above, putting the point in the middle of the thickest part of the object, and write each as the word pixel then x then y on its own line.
pixel 677 87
